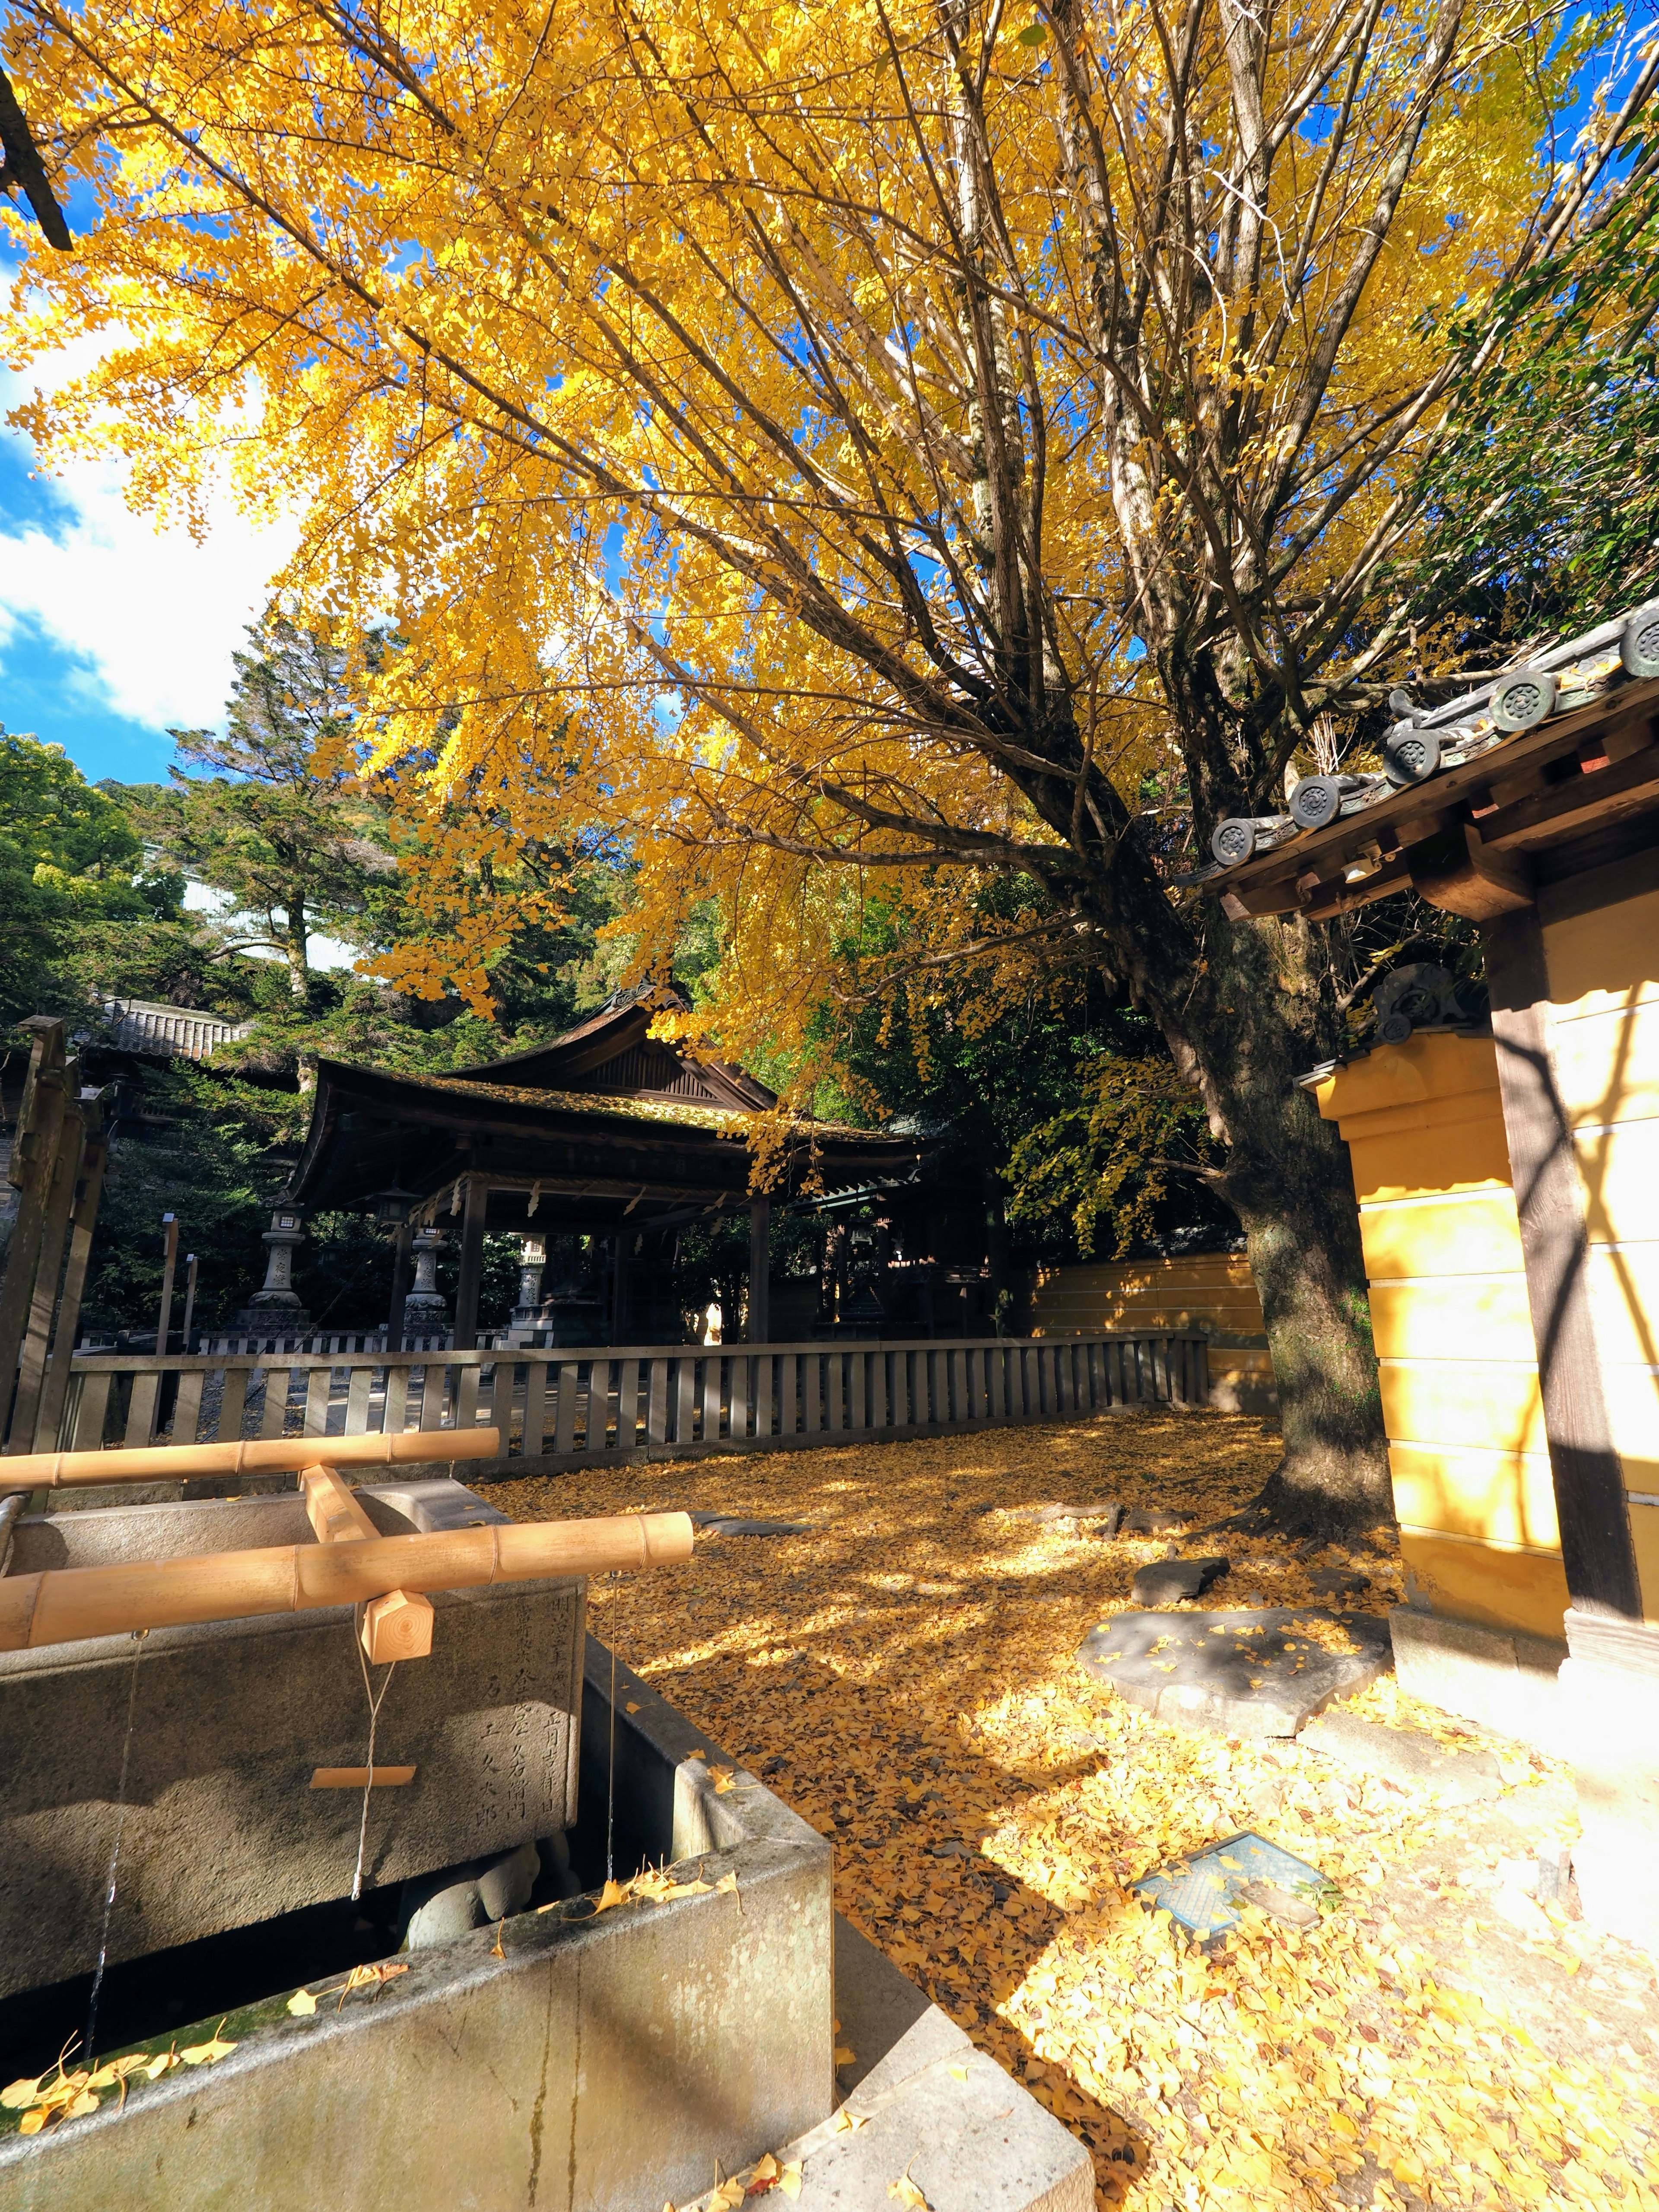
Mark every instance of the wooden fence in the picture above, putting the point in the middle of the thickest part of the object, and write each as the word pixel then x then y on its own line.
pixel 670 1401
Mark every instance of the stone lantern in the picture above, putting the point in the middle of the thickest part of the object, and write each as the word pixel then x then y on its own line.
pixel 276 1306
pixel 532 1260
pixel 426 1313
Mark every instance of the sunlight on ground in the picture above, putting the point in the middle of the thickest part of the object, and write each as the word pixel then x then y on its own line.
pixel 904 1677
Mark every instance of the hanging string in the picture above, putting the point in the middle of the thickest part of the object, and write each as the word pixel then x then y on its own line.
pixel 610 1775
pixel 375 1701
pixel 138 1636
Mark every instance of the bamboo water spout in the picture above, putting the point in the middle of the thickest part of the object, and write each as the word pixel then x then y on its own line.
pixel 257 1455
pixel 63 1605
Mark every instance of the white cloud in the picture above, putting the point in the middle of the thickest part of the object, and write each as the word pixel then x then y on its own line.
pixel 152 616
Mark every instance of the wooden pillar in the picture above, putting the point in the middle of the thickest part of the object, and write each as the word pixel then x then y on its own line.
pixel 402 1261
pixel 85 1220
pixel 34 1148
pixel 170 1261
pixel 65 1173
pixel 1596 1551
pixel 760 1271
pixel 466 1290
pixel 619 1286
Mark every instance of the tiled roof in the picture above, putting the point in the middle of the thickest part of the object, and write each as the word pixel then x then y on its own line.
pixel 163 1032
pixel 721 1119
pixel 1423 742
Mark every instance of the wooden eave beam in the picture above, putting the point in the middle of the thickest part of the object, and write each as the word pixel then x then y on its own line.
pixel 1518 799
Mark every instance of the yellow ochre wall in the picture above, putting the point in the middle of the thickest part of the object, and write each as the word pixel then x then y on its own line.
pixel 1602 953
pixel 1212 1290
pixel 1472 1484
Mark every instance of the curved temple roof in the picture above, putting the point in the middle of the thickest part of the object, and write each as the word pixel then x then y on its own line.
pixel 1472 807
pixel 653 1159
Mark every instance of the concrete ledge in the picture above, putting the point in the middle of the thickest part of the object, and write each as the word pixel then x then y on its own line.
pixel 978 2144
pixel 1504 1680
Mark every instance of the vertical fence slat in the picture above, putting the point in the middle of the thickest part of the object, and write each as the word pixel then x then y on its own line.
pixel 395 1420
pixel 357 1395
pixel 537 1375
pixel 564 1415
pixel 274 1420
pixel 763 1396
pixel 712 1364
pixel 656 1410
pixel 187 1407
pixel 597 1438
pixel 628 1406
pixel 91 1405
pixel 686 1398
pixel 141 1411
pixel 232 1404
pixel 434 1379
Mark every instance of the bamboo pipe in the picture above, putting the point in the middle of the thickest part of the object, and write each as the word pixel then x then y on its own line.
pixel 61 1605
pixel 257 1456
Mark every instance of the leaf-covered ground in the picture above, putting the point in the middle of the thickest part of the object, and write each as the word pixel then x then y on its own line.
pixel 905 1677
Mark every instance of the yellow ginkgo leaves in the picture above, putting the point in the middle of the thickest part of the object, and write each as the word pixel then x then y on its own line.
pixel 905 2191
pixel 912 1683
pixel 60 2095
pixel 301 2003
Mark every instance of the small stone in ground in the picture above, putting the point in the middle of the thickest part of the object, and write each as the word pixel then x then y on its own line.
pixel 1252 1675
pixel 731 1524
pixel 1151 1521
pixel 1338 1582
pixel 1280 1903
pixel 1401 1755
pixel 1100 1518
pixel 1166 1580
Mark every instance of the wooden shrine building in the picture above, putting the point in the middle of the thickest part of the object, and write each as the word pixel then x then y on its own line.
pixel 1508 1179
pixel 605 1134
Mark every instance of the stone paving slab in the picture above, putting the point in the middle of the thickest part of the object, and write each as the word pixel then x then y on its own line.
pixel 1247 1673
pixel 1402 1755
pixel 971 2137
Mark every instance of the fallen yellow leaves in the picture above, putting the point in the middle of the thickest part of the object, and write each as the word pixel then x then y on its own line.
pixel 767 2173
pixel 905 1679
pixel 905 2191
pixel 373 1976
pixel 51 2097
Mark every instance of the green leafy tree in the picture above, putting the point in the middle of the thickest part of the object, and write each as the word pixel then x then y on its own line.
pixel 76 892
pixel 1544 493
pixel 283 825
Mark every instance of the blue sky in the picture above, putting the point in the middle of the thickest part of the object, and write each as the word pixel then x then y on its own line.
pixel 110 630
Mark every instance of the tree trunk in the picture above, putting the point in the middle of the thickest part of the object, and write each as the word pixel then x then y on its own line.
pixel 1247 1007
pixel 1287 1177
pixel 297 938
pixel 1261 1013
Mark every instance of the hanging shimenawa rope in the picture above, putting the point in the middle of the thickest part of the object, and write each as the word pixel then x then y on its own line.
pixel 376 1699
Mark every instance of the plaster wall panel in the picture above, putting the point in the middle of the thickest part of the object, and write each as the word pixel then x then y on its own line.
pixel 1475 1234
pixel 1508 1497
pixel 1475 1317
pixel 1497 1585
pixel 1491 1406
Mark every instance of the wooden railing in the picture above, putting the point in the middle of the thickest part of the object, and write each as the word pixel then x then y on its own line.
pixel 670 1402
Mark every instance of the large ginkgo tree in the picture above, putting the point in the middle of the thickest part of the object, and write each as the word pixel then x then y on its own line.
pixel 894 442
